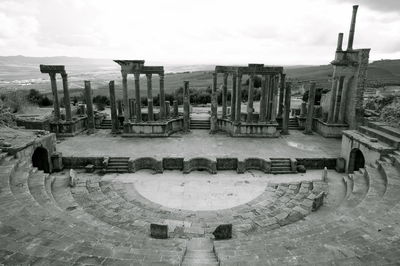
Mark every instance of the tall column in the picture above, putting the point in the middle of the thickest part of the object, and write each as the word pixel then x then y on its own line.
pixel 167 109
pixel 114 116
pixel 67 101
pixel 150 115
pixel 233 97
pixel 286 109
pixel 162 98
pixel 137 97
pixel 281 93
pixel 352 28
pixel 224 95
pixel 131 103
pixel 343 98
pixel 125 96
pixel 186 107
pixel 250 108
pixel 263 100
pixel 55 97
pixel 119 108
pixel 238 98
pixel 333 99
pixel 310 109
pixel 89 107
pixel 214 87
pixel 274 98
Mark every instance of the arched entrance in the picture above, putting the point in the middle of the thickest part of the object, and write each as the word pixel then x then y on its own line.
pixel 356 160
pixel 40 159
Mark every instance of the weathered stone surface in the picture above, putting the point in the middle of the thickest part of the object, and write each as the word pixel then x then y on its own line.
pixel 340 165
pixel 72 178
pixel 318 201
pixel 159 231
pixel 223 231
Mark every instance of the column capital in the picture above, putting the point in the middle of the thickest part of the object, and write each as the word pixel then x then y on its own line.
pixel 124 75
pixel 137 76
pixel 226 75
pixel 161 76
pixel 64 75
pixel 149 75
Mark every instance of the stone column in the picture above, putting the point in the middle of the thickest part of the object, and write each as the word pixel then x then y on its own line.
pixel 125 96
pixel 167 109
pixel 281 93
pixel 150 115
pixel 186 107
pixel 233 97
pixel 303 109
pixel 214 113
pixel 214 87
pixel 176 108
pixel 162 98
pixel 343 99
pixel 55 97
pixel 352 28
pixel 263 101
pixel 137 98
pixel 310 109
pixel 286 109
pixel 338 99
pixel 131 108
pixel 67 101
pixel 274 98
pixel 89 107
pixel 224 95
pixel 268 93
pixel 250 108
pixel 333 99
pixel 238 98
pixel 114 116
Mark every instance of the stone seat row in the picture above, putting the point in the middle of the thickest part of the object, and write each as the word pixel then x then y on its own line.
pixel 33 229
pixel 362 230
pixel 109 202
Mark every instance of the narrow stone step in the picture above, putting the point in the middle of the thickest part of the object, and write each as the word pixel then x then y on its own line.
pixel 382 136
pixel 200 251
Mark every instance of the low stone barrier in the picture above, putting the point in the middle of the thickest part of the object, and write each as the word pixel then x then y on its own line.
pixel 199 164
pixel 135 165
pixel 260 164
pixel 227 163
pixel 317 163
pixel 173 163
pixel 81 162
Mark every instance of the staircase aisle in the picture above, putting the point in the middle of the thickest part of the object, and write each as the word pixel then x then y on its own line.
pixel 200 251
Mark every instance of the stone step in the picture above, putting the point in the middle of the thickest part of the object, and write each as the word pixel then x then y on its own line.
pixel 200 251
pixel 385 128
pixel 117 163
pixel 382 136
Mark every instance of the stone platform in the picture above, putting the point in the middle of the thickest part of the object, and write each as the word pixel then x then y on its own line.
pixel 200 143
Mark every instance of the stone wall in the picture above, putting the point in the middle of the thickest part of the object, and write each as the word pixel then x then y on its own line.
pixel 135 165
pixel 199 164
pixel 266 130
pixel 329 130
pixel 317 163
pixel 81 162
pixel 153 129
pixel 173 163
pixel 69 128
pixel 227 164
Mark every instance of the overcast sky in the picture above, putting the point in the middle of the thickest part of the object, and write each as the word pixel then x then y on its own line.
pixel 283 32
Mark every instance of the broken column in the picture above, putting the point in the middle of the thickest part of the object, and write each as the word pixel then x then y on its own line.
pixel 114 116
pixel 250 108
pixel 150 115
pixel 310 109
pixel 167 109
pixel 281 95
pixel 67 101
pixel 233 97
pixel 352 29
pixel 89 107
pixel 137 98
pixel 214 112
pixel 132 109
pixel 238 99
pixel 286 108
pixel 162 98
pixel 333 98
pixel 176 108
pixel 343 99
pixel 224 95
pixel 186 107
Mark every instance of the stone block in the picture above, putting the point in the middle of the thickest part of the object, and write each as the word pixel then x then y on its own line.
pixel 200 164
pixel 301 168
pixel 56 161
pixel 340 165
pixel 318 201
pixel 173 163
pixel 146 163
pixel 89 168
pixel 159 231
pixel 223 231
pixel 241 167
pixel 227 163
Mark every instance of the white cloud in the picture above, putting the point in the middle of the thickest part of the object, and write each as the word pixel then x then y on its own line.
pixel 193 31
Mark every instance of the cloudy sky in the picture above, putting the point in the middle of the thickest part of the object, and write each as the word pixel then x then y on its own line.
pixel 197 31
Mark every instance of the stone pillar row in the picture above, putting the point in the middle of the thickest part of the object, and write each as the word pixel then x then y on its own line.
pixel 337 108
pixel 56 103
pixel 269 97
pixel 310 109
pixel 133 109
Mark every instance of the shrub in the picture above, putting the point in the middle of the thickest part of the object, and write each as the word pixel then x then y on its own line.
pixel 391 114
